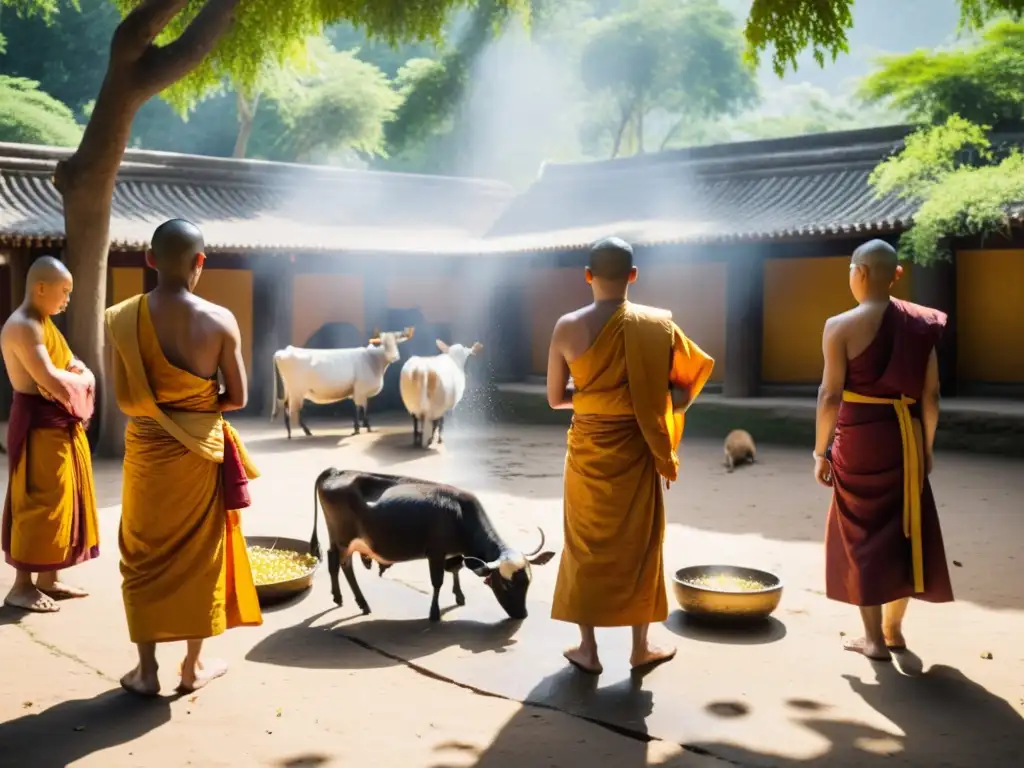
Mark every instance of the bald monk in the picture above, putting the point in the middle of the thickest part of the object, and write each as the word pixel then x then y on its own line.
pixel 184 567
pixel 49 520
pixel 634 374
pixel 879 396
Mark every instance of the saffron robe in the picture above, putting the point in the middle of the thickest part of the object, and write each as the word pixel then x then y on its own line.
pixel 184 566
pixel 623 440
pixel 871 532
pixel 50 518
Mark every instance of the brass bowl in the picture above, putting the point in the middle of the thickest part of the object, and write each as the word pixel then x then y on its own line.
pixel 718 603
pixel 280 591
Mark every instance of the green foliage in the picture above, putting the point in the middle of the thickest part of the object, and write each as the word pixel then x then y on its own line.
pixel 962 186
pixel 343 106
pixel 270 29
pixel 983 83
pixel 792 26
pixel 31 116
pixel 432 92
pixel 683 59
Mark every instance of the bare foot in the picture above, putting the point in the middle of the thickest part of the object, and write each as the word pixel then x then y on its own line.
pixel 141 684
pixel 201 674
pixel 871 650
pixel 28 598
pixel 58 590
pixel 651 657
pixel 584 660
pixel 895 641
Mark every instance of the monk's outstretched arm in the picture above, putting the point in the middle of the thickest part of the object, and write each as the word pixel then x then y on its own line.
pixel 559 394
pixel 30 348
pixel 930 406
pixel 830 393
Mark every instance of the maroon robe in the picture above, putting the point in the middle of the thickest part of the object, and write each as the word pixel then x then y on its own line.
pixel 867 555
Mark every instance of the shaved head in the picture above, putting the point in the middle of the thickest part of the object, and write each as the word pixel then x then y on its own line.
pixel 880 259
pixel 175 245
pixel 611 259
pixel 46 269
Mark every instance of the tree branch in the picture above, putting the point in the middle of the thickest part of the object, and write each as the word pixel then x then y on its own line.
pixel 140 28
pixel 163 66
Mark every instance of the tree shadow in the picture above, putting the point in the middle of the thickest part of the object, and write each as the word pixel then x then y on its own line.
pixel 724 631
pixel 340 645
pixel 72 730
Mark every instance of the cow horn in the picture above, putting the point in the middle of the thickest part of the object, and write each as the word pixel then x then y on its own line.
pixel 539 546
pixel 409 332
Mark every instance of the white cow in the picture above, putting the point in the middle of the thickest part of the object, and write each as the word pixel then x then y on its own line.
pixel 328 375
pixel 432 386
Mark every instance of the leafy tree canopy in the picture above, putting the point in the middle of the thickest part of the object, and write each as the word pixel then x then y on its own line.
pixel 983 83
pixel 963 185
pixel 31 116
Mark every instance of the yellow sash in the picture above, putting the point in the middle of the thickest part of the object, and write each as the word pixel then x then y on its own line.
pixel 912 470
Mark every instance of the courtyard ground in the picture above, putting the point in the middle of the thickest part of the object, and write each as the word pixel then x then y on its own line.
pixel 319 685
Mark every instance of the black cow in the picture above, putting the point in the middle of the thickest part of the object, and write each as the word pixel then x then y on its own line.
pixel 393 519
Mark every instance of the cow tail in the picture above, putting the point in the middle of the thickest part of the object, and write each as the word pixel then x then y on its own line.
pixel 314 540
pixel 273 410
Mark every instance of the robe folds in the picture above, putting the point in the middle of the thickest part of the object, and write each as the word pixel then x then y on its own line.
pixel 883 541
pixel 623 440
pixel 50 518
pixel 184 565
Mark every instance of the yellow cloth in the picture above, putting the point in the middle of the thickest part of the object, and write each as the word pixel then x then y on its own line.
pixel 913 463
pixel 51 484
pixel 623 440
pixel 184 565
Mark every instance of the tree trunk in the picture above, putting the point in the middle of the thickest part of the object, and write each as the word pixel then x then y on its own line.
pixel 246 118
pixel 623 123
pixel 671 134
pixel 137 71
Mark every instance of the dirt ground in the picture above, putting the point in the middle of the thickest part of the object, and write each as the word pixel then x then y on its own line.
pixel 792 699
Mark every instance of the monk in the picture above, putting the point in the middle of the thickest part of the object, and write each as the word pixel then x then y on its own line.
pixel 50 519
pixel 634 375
pixel 184 567
pixel 879 397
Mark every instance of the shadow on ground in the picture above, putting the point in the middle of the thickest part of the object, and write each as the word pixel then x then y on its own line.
pixel 329 646
pixel 947 720
pixel 73 730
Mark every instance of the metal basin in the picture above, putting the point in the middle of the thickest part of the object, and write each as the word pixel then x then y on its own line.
pixel 281 591
pixel 720 603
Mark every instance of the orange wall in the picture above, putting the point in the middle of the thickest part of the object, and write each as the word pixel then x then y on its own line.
pixel 552 292
pixel 232 288
pixel 125 283
pixel 319 299
pixel 990 315
pixel 696 295
pixel 799 296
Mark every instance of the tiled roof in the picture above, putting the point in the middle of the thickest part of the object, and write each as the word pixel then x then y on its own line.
pixel 244 205
pixel 807 186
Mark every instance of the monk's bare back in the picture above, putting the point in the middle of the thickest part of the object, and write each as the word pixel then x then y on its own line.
pixel 576 331
pixel 857 328
pixel 198 336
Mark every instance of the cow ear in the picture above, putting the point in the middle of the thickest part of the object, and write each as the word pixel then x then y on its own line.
pixel 442 346
pixel 409 332
pixel 476 349
pixel 542 559
pixel 375 341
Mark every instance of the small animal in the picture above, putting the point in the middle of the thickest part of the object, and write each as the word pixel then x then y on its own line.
pixel 739 449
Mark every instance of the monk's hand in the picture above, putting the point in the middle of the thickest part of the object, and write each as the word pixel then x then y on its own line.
pixel 823 471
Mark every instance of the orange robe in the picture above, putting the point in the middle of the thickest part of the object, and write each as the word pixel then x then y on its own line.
pixel 184 566
pixel 50 518
pixel 622 441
